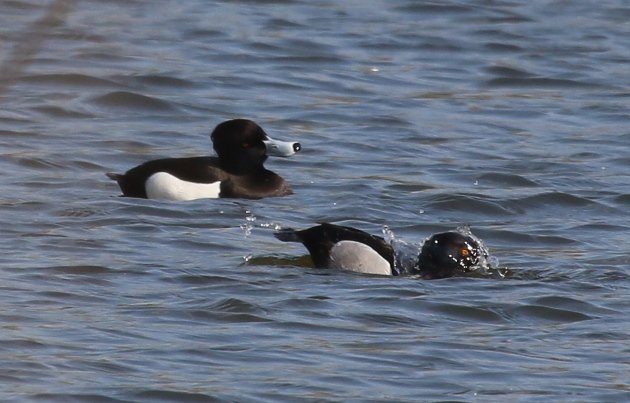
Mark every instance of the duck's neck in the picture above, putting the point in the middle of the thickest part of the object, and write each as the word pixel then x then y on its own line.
pixel 240 166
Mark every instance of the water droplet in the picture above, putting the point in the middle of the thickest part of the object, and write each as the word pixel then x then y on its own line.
pixel 465 230
pixel 388 234
pixel 247 229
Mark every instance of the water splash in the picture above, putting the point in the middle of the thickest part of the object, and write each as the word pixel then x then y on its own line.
pixel 486 262
pixel 464 229
pixel 273 225
pixel 247 227
pixel 388 234
pixel 405 254
pixel 249 216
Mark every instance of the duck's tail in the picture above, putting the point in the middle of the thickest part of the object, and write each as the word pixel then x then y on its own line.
pixel 287 235
pixel 113 176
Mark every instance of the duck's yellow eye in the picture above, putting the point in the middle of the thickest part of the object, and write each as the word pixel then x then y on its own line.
pixel 465 252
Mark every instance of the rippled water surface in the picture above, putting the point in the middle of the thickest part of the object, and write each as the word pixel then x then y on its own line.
pixel 510 117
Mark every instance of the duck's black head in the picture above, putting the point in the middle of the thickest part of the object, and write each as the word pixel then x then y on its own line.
pixel 240 142
pixel 242 145
pixel 447 253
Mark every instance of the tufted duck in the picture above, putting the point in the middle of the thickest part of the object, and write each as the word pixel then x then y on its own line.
pixel 237 170
pixel 334 246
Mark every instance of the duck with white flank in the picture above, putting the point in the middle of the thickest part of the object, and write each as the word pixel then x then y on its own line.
pixel 237 171
pixel 345 248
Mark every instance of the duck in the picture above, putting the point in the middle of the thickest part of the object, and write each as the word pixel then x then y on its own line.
pixel 345 248
pixel 237 170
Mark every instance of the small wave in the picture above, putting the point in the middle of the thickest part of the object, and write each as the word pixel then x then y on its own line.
pixel 227 317
pixel 508 72
pixel 81 270
pixel 547 314
pixel 502 47
pixel 571 304
pixel 469 203
pixel 58 112
pixel 69 79
pixel 162 81
pixel 538 82
pixel 436 8
pixel 234 305
pixel 39 163
pixel 166 395
pixel 554 198
pixel 476 314
pixel 503 179
pixel 623 200
pixel 132 100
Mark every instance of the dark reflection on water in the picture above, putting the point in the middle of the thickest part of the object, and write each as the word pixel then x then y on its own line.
pixel 419 116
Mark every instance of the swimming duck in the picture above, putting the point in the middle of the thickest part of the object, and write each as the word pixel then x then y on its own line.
pixel 242 147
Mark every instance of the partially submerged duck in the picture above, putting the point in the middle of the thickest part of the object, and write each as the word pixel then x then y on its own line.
pixel 337 247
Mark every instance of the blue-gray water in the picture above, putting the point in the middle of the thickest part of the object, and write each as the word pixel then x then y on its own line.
pixel 511 117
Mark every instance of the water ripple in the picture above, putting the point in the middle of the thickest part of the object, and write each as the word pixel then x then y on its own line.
pixel 421 116
pixel 134 101
pixel 70 80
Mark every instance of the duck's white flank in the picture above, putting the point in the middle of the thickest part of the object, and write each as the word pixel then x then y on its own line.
pixel 360 258
pixel 164 186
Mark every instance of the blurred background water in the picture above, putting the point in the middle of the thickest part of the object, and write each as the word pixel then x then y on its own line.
pixel 422 116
